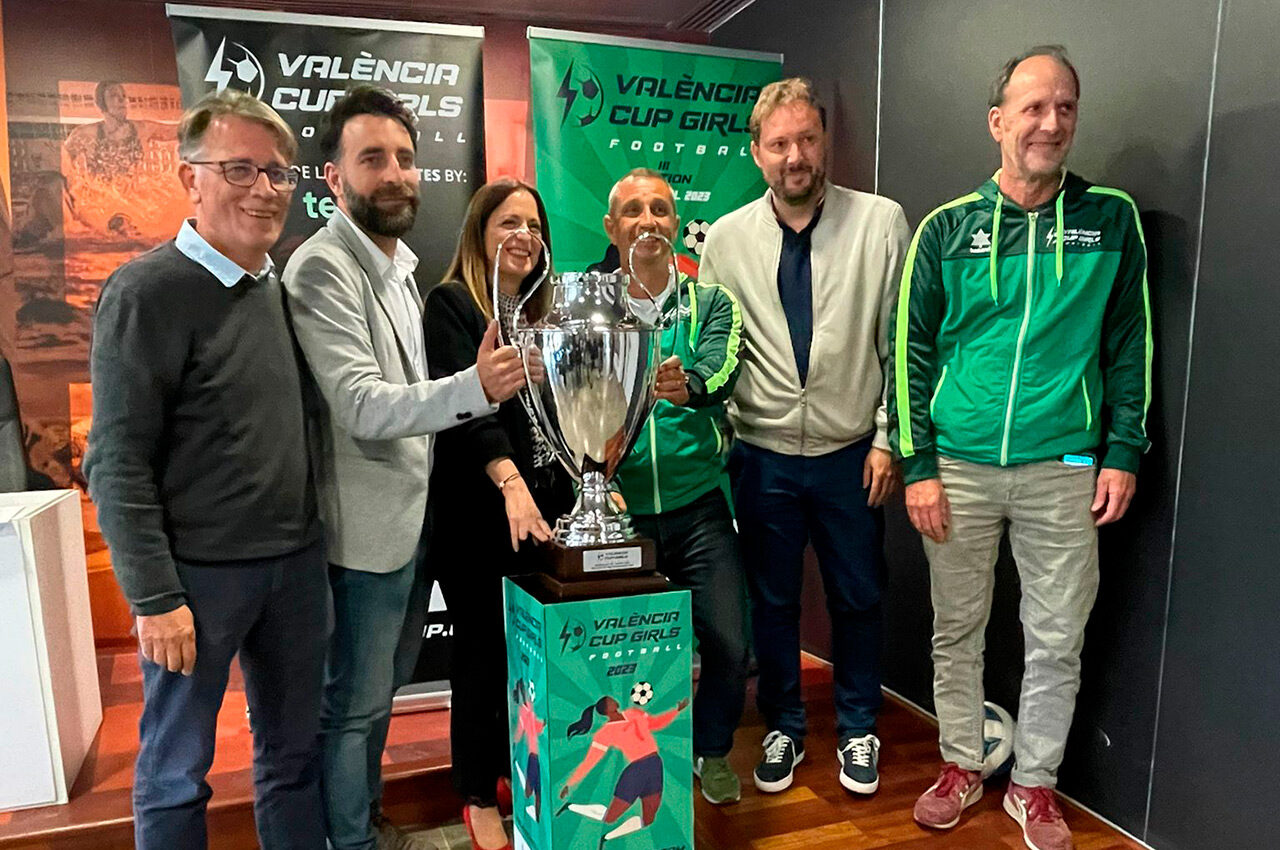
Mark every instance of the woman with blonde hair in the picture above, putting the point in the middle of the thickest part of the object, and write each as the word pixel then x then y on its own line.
pixel 496 485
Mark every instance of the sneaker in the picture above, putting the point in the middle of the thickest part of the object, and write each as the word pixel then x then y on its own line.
pixel 1035 808
pixel 859 758
pixel 956 790
pixel 720 784
pixel 777 766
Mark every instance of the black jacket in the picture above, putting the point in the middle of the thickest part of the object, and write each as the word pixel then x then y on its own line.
pixel 461 491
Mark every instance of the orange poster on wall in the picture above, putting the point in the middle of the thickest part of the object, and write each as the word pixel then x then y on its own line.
pixel 92 190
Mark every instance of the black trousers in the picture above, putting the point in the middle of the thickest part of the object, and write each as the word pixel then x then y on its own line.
pixel 698 550
pixel 471 553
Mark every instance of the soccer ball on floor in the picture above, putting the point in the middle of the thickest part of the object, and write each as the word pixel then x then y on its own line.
pixel 997 740
pixel 695 236
pixel 641 693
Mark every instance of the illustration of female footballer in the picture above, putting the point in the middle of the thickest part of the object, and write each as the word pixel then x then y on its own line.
pixel 631 733
pixel 528 728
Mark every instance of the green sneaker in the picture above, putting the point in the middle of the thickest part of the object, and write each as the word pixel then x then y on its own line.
pixel 720 784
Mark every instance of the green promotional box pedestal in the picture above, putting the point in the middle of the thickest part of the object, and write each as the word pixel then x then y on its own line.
pixel 599 704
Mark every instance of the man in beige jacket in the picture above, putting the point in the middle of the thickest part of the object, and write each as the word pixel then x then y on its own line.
pixel 815 268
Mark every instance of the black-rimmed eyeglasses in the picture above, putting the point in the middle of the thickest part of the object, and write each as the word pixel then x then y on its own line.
pixel 237 172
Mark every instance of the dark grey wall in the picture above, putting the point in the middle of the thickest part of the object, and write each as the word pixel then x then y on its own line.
pixel 1222 670
pixel 1147 67
pixel 833 42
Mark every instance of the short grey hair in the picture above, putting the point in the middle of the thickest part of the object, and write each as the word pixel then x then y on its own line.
pixel 1056 51
pixel 196 120
pixel 634 174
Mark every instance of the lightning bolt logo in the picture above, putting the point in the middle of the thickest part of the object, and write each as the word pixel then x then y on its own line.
pixel 567 92
pixel 217 73
pixel 565 635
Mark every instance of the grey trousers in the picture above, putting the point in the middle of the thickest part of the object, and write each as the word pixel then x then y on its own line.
pixel 1055 545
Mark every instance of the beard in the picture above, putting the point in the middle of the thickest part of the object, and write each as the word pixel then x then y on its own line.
pixel 794 197
pixel 365 211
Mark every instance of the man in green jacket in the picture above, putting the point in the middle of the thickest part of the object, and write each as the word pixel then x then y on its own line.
pixel 674 480
pixel 1018 394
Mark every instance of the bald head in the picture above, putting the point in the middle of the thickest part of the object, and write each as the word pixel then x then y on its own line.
pixel 641 202
pixel 638 174
pixel 1056 52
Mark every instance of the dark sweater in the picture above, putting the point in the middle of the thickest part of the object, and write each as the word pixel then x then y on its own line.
pixel 197 449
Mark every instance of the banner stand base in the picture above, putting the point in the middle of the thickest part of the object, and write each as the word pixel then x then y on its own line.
pixel 601 734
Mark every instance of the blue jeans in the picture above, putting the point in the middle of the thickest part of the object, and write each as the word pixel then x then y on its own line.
pixel 275 613
pixel 360 680
pixel 698 550
pixel 783 503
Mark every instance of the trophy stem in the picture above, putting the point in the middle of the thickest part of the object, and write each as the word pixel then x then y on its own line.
pixel 595 518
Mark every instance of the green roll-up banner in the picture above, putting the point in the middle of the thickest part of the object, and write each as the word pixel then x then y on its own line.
pixel 601 732
pixel 603 105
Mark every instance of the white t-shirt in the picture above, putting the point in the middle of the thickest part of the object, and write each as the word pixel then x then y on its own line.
pixel 651 311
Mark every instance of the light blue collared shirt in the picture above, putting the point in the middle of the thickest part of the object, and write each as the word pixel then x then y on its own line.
pixel 227 271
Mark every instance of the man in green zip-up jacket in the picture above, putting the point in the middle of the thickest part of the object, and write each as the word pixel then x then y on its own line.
pixel 674 480
pixel 1021 364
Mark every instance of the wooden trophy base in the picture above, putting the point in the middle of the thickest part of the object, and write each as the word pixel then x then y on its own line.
pixel 614 569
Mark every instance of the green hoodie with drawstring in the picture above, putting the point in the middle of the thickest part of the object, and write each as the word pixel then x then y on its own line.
pixel 1023 335
pixel 680 453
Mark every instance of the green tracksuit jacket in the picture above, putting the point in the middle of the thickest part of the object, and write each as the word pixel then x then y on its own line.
pixel 680 453
pixel 1023 335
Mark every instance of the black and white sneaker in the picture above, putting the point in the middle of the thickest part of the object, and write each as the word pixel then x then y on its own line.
pixel 859 758
pixel 778 764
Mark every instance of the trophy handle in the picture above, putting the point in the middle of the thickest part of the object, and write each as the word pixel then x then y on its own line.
pixel 507 336
pixel 673 274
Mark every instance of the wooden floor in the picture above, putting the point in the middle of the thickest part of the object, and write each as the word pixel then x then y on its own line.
pixel 415 768
pixel 814 814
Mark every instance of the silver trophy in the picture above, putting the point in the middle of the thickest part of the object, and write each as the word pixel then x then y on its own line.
pixel 598 362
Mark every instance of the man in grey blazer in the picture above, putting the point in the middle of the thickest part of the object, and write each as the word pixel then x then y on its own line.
pixel 357 316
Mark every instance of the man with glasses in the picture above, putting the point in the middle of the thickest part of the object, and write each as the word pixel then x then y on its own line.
pixel 197 463
pixel 357 314
pixel 245 174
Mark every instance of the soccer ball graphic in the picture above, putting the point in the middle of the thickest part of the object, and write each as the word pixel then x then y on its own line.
pixel 695 236
pixel 246 69
pixel 533 694
pixel 998 729
pixel 641 693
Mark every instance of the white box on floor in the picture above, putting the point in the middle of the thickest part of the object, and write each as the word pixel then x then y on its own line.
pixel 50 706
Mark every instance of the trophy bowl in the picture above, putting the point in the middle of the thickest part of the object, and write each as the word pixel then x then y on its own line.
pixel 598 361
pixel 598 365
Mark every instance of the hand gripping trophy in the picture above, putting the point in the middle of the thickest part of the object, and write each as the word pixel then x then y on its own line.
pixel 590 363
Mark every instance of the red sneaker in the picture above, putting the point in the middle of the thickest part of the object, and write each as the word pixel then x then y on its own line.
pixel 1035 808
pixel 956 790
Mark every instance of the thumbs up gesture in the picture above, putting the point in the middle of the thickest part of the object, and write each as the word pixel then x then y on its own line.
pixel 501 372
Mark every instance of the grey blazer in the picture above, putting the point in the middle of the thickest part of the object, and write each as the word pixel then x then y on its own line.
pixel 371 429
